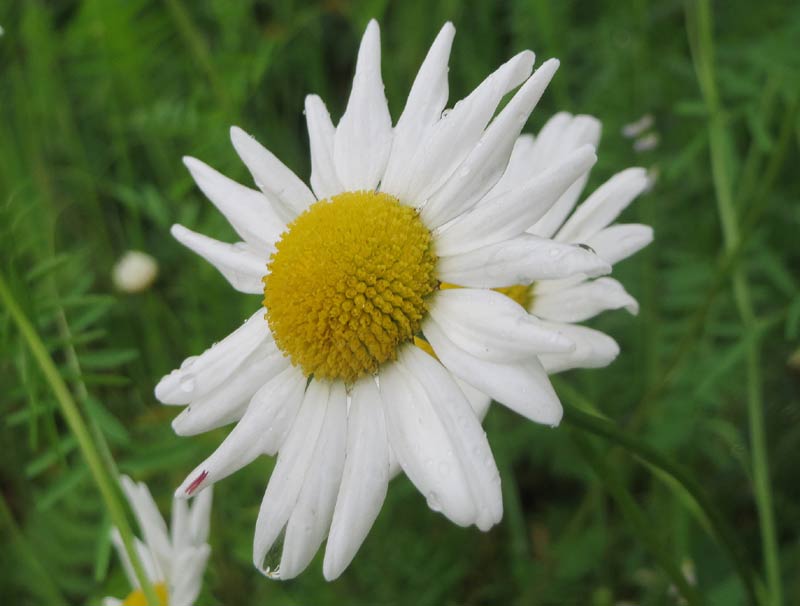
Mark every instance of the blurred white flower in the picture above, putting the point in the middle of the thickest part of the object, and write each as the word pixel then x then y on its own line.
pixel 335 380
pixel 634 129
pixel 174 559
pixel 646 142
pixel 134 272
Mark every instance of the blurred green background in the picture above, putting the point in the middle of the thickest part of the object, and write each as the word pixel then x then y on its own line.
pixel 100 99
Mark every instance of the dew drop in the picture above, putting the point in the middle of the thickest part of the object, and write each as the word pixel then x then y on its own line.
pixel 433 501
pixel 553 252
pixel 271 564
pixel 187 383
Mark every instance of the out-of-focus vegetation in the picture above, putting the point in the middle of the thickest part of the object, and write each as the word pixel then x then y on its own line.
pixel 100 99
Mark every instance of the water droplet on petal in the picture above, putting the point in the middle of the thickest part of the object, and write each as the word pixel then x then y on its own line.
pixel 553 252
pixel 433 501
pixel 187 383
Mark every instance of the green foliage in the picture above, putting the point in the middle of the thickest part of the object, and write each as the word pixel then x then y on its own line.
pixel 98 102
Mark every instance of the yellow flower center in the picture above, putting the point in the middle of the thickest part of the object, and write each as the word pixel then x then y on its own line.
pixel 347 284
pixel 521 293
pixel 137 597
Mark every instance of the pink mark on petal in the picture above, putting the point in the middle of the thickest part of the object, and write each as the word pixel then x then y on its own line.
pixel 196 483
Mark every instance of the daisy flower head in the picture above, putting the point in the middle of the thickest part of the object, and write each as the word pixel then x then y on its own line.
pixel 174 559
pixel 361 361
pixel 563 303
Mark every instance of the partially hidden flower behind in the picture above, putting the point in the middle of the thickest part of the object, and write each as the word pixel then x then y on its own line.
pixel 334 373
pixel 563 303
pixel 174 559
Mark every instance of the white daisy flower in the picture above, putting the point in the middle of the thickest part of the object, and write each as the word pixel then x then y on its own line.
pixel 175 559
pixel 327 375
pixel 563 303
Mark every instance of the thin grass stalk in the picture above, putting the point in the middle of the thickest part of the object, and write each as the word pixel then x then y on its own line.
pixel 106 481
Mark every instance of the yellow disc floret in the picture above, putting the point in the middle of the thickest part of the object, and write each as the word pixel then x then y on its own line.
pixel 521 293
pixel 137 597
pixel 348 283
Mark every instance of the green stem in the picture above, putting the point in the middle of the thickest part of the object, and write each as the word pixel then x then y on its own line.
pixel 106 481
pixel 603 428
pixel 703 51
pixel 634 516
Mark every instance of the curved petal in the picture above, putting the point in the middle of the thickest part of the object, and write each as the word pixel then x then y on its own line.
pixel 521 260
pixel 422 445
pixel 521 386
pixel 364 480
pixel 478 400
pixel 510 213
pixel 583 301
pixel 604 205
pixel 237 262
pixel 464 433
pixel 363 137
pixel 272 176
pixel 321 132
pixel 450 139
pixel 491 326
pixel 488 159
pixel 290 471
pixel 200 374
pixel 424 106
pixel 227 402
pixel 150 521
pixel 593 349
pixel 619 242
pixel 311 516
pixel 260 431
pixel 248 211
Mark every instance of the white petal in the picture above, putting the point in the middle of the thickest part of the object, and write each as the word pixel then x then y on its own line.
pixel 464 433
pixel 522 386
pixel 200 516
pixel 240 265
pixel 519 170
pixel 185 587
pixel 478 400
pixel 150 521
pixel 450 140
pixel 272 176
pixel 510 213
pixel 364 134
pixel 247 210
pixel 491 326
pixel 260 430
pixel 521 260
pixel 290 471
pixel 620 241
pixel 593 349
pixel 424 106
pixel 200 374
pixel 604 205
pixel 583 301
pixel 312 514
pixel 364 480
pixel 552 146
pixel 227 402
pixel 321 132
pixel 422 445
pixel 486 163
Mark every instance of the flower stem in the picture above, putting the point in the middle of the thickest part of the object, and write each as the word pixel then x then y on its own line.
pixel 702 43
pixel 600 427
pixel 105 480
